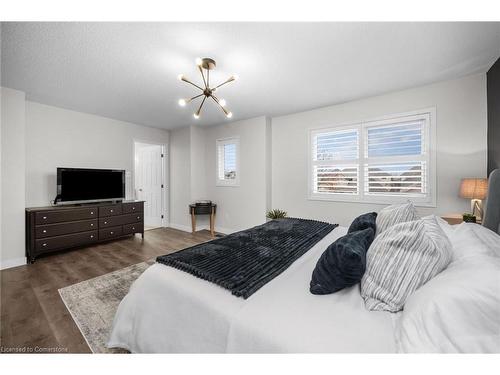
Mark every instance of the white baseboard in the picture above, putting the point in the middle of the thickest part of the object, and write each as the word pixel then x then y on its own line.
pixel 187 228
pixel 10 263
pixel 184 228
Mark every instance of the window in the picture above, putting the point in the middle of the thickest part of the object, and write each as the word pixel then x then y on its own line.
pixel 228 162
pixel 381 161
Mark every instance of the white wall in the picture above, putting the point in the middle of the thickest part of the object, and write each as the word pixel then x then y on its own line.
pixel 180 178
pixel 243 206
pixel 13 177
pixel 193 175
pixel 58 137
pixel 461 145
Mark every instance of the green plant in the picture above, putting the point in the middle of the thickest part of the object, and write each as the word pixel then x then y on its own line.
pixel 469 218
pixel 276 214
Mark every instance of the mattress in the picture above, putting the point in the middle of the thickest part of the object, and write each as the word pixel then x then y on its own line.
pixel 170 311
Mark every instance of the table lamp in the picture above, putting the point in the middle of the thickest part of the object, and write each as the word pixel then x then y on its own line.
pixel 474 189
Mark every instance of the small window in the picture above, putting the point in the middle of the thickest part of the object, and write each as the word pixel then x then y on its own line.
pixel 228 162
pixel 382 161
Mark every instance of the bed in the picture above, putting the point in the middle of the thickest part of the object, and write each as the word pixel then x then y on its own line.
pixel 170 311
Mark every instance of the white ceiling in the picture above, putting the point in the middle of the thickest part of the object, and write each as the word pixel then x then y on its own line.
pixel 128 71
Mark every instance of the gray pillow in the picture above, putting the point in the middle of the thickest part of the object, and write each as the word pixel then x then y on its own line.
pixel 402 259
pixel 395 214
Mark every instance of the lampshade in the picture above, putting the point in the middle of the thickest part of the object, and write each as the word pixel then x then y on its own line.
pixel 474 188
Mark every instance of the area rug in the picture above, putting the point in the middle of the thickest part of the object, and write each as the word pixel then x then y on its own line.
pixel 93 303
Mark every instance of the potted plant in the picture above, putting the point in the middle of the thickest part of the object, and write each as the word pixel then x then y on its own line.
pixel 469 218
pixel 276 214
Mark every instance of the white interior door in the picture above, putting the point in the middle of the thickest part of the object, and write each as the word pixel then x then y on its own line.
pixel 149 182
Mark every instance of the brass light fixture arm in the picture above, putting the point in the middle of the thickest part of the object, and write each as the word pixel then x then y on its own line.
pixel 201 105
pixel 203 76
pixel 194 84
pixel 195 97
pixel 217 101
pixel 223 83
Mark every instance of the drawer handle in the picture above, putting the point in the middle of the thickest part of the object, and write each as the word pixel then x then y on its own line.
pixel 110 232
pixel 45 218
pixel 133 228
pixel 91 225
pixel 105 222
pixel 133 208
pixel 44 244
pixel 44 231
pixel 91 212
pixel 111 211
pixel 138 217
pixel 91 236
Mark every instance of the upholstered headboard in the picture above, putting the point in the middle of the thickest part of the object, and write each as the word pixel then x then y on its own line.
pixel 492 210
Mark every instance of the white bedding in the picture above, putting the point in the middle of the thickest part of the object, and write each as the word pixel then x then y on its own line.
pixel 171 311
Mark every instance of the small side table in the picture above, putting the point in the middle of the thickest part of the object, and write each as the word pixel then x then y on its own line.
pixel 453 219
pixel 203 210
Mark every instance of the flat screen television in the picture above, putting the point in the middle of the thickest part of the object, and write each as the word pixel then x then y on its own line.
pixel 79 185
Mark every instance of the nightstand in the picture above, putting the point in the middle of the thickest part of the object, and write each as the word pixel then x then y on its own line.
pixel 453 219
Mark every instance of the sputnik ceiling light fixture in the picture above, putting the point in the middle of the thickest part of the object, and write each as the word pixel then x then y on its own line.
pixel 207 92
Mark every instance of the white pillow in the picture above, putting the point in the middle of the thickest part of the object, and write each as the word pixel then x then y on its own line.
pixel 456 311
pixel 402 259
pixel 445 226
pixel 395 214
pixel 466 243
pixel 488 237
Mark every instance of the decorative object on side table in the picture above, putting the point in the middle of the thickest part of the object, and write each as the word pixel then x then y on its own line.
pixel 203 208
pixel 276 214
pixel 474 189
pixel 469 218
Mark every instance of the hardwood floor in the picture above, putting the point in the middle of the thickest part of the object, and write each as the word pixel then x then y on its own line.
pixel 33 316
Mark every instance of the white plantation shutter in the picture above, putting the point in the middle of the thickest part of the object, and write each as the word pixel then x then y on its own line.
pixel 396 158
pixel 227 161
pixel 382 161
pixel 335 162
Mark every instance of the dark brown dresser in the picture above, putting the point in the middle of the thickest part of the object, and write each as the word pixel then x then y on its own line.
pixel 50 229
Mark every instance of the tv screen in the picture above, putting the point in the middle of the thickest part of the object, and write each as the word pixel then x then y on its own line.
pixel 77 184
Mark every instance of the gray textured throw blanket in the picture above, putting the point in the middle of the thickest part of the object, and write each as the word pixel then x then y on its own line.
pixel 245 261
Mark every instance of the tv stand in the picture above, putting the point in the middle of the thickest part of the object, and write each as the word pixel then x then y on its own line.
pixel 55 228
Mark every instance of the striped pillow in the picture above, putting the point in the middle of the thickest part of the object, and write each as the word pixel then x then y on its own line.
pixel 402 259
pixel 395 214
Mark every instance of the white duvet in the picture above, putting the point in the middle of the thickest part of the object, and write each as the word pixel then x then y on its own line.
pixel 458 311
pixel 171 311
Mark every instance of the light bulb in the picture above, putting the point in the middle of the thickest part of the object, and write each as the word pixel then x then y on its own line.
pixel 180 77
pixel 196 116
pixel 198 61
pixel 182 102
pixel 222 102
pixel 229 114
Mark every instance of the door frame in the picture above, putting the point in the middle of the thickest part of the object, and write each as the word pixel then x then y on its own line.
pixel 165 222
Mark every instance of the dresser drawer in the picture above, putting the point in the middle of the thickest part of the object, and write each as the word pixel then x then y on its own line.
pixel 113 210
pixel 110 221
pixel 47 217
pixel 109 233
pixel 132 228
pixel 132 207
pixel 51 230
pixel 69 240
pixel 132 218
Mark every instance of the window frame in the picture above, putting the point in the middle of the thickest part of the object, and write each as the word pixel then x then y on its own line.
pixel 221 143
pixel 428 114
